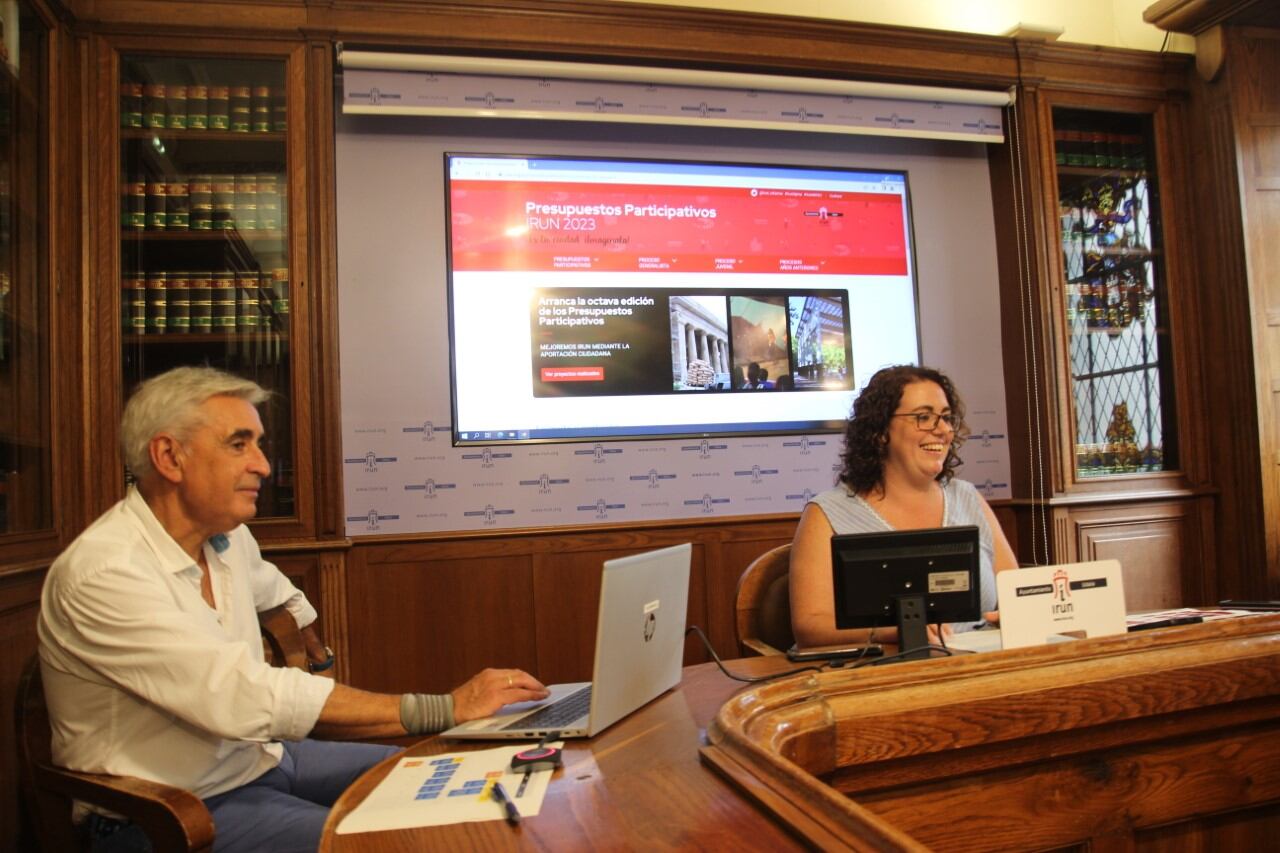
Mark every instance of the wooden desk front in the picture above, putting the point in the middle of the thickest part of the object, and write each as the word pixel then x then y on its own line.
pixel 1147 741
pixel 1159 740
pixel 638 785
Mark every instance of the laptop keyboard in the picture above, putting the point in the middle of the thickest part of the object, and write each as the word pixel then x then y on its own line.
pixel 557 714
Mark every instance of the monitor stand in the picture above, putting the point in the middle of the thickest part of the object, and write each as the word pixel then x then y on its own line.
pixel 913 627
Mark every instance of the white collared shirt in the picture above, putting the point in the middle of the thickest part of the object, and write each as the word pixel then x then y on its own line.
pixel 144 679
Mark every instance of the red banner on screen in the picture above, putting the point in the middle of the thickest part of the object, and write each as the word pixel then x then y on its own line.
pixel 537 226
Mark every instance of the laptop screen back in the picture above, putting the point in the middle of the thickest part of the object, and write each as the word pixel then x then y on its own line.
pixel 640 635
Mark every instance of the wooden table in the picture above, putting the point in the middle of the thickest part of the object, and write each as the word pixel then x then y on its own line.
pixel 639 784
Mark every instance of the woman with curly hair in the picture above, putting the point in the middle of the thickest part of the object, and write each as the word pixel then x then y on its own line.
pixel 898 473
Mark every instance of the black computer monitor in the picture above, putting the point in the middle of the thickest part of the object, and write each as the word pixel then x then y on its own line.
pixel 908 579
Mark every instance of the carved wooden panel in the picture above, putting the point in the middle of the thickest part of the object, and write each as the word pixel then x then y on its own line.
pixel 1240 830
pixel 426 615
pixel 1151 542
pixel 1253 58
pixel 303 570
pixel 425 625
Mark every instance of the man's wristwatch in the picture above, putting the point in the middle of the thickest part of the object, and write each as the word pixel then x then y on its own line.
pixel 327 663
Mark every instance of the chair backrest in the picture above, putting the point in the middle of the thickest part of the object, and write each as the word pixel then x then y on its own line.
pixel 763 608
pixel 48 814
pixel 281 640
pixel 175 819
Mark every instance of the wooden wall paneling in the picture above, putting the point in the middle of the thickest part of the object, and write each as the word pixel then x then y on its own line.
pixel 1019 169
pixel 594 30
pixel 303 346
pixel 1090 70
pixel 1107 798
pixel 530 597
pixel 73 247
pixel 321 575
pixel 1197 16
pixel 1232 449
pixel 1182 308
pixel 19 604
pixel 566 594
pixel 104 395
pixel 1253 66
pixel 1247 829
pixel 567 601
pixel 1202 586
pixel 333 609
pixel 1151 541
pixel 303 570
pixel 43 391
pixel 422 623
pixel 321 260
pixel 1066 548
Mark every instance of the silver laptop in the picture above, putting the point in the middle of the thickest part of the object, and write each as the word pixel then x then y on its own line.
pixel 639 654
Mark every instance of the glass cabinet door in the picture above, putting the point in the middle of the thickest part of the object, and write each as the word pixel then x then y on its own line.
pixel 26 500
pixel 205 267
pixel 1121 378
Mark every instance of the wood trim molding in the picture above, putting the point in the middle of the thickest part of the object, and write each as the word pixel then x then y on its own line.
pixel 1193 16
pixel 1211 53
pixel 564 29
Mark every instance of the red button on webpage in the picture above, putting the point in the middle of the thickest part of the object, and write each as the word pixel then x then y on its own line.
pixel 573 374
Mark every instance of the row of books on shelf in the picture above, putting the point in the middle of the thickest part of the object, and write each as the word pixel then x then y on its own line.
pixel 1099 149
pixel 179 303
pixel 178 106
pixel 251 202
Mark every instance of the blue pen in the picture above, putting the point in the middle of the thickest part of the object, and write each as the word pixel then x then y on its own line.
pixel 500 794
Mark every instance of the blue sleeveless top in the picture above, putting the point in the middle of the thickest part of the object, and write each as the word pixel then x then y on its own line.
pixel 961 506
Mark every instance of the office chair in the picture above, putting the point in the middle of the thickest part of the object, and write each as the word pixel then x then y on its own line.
pixel 763 608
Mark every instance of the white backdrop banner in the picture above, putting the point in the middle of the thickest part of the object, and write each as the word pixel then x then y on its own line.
pixel 401 473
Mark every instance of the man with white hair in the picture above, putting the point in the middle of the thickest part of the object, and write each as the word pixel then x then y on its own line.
pixel 150 649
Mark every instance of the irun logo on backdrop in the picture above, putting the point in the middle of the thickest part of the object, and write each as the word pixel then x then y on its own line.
pixel 988 488
pixel 704 448
pixel 486 457
pixel 601 508
pixel 757 474
pixel 598 452
pixel 652 478
pixel 805 444
pixel 372 519
pixel 370 461
pixel 430 487
pixel 706 502
pixel 490 513
pixel 986 437
pixel 428 430
pixel 545 482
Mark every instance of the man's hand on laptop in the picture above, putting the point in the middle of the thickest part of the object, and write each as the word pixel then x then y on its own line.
pixel 490 689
